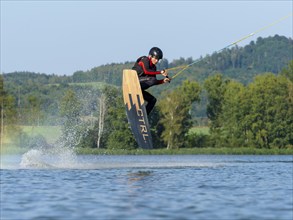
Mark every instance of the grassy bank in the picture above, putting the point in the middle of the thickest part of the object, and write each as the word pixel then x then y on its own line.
pixel 183 151
pixel 200 130
pixel 50 133
pixel 187 151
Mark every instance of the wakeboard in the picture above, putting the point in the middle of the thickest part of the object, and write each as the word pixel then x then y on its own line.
pixel 136 109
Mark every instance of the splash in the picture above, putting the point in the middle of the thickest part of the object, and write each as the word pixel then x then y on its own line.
pixel 56 157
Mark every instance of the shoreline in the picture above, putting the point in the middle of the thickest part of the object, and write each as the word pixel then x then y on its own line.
pixel 164 151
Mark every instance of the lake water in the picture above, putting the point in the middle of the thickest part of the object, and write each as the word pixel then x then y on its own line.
pixel 41 185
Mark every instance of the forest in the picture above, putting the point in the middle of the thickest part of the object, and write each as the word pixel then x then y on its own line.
pixel 243 94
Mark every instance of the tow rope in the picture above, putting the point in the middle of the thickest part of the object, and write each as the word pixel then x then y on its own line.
pixel 184 67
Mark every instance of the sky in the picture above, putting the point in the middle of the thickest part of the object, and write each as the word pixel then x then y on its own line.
pixel 62 37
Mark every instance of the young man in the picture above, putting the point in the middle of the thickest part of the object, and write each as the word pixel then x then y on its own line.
pixel 146 69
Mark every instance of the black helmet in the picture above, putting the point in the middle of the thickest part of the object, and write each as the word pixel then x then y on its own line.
pixel 156 52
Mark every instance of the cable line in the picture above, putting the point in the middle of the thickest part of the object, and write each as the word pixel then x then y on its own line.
pixel 184 67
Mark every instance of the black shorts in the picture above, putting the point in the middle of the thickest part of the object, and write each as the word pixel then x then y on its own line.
pixel 147 81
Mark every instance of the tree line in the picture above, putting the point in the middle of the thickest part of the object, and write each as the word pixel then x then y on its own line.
pixel 269 54
pixel 213 87
pixel 255 115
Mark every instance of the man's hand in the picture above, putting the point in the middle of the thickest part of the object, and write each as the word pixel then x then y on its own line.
pixel 164 73
pixel 167 79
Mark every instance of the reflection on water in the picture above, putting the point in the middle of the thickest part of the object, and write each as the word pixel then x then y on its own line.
pixel 139 175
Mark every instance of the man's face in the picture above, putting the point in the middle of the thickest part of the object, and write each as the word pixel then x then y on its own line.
pixel 154 60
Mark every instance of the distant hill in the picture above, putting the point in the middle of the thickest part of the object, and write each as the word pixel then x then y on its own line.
pixel 269 54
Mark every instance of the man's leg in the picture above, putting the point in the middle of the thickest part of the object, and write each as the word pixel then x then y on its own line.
pixel 151 101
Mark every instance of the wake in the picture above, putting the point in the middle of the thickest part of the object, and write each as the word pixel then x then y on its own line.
pixel 58 157
pixel 66 158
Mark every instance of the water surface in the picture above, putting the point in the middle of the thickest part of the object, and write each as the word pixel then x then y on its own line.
pixel 66 186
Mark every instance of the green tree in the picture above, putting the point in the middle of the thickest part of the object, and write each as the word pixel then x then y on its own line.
pixel 8 122
pixel 259 115
pixel 288 71
pixel 175 113
pixel 156 128
pixel 215 87
pixel 117 134
pixel 270 119
pixel 34 110
pixel 231 115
